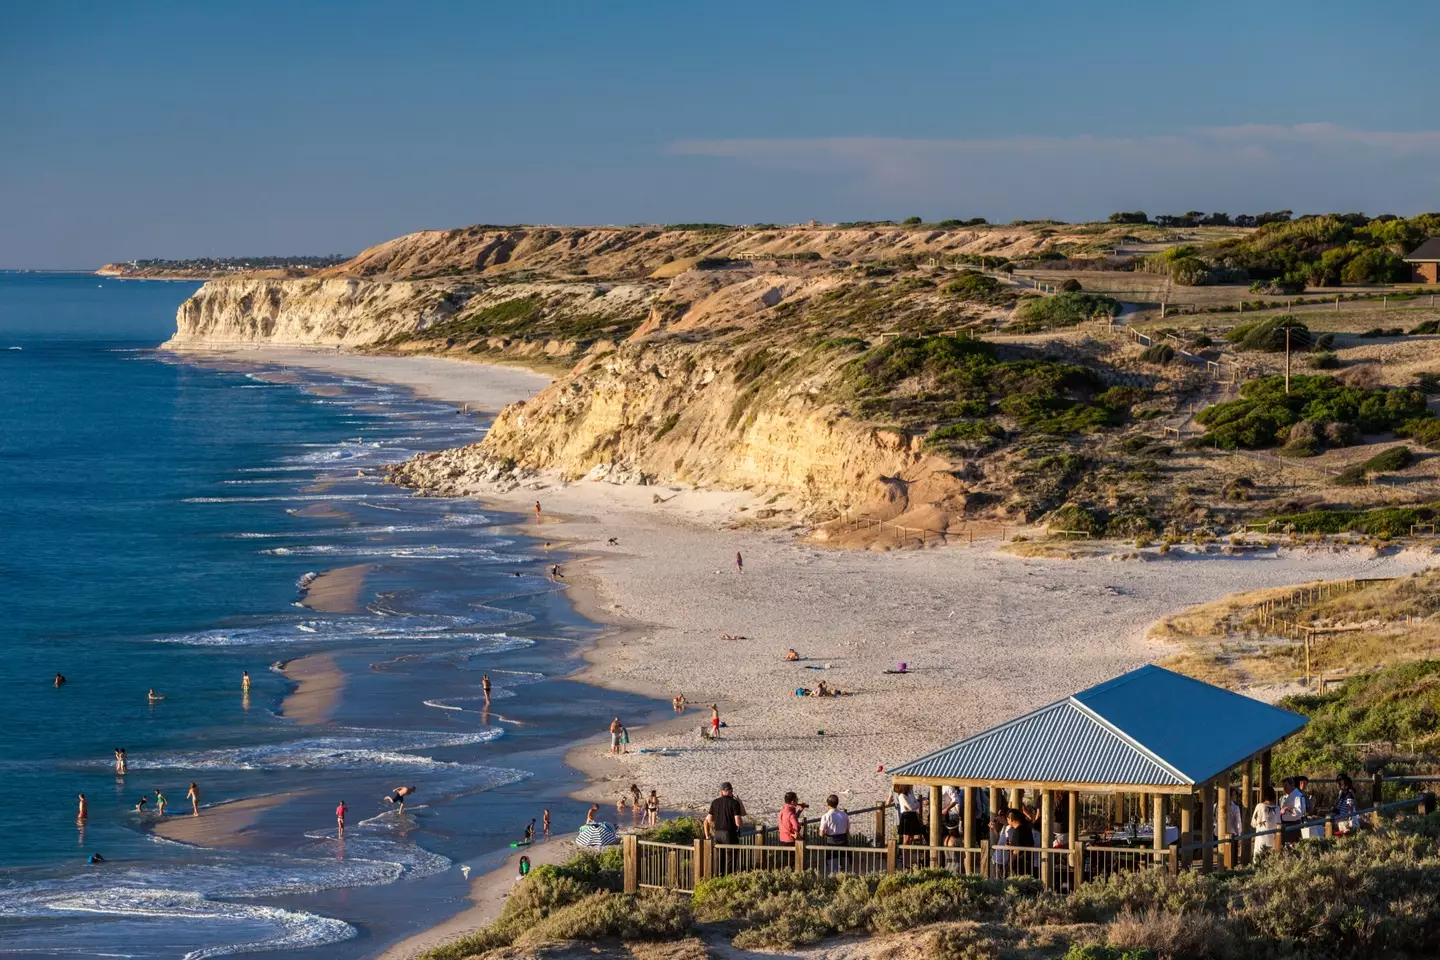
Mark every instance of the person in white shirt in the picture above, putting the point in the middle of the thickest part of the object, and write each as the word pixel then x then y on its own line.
pixel 1236 816
pixel 907 805
pixel 834 830
pixel 1314 831
pixel 1266 817
pixel 950 810
pixel 1292 809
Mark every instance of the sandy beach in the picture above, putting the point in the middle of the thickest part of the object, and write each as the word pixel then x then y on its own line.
pixel 319 685
pixel 337 590
pixel 227 825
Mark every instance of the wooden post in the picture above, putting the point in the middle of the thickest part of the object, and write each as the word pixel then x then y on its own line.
pixel 672 870
pixel 1264 774
pixel 934 824
pixel 1377 791
pixel 1187 827
pixel 630 846
pixel 880 826
pixel 1159 815
pixel 985 867
pixel 1077 863
pixel 799 856
pixel 1047 834
pixel 892 856
pixel 967 827
pixel 697 862
pixel 1207 815
pixel 1247 790
pixel 1222 822
pixel 1072 829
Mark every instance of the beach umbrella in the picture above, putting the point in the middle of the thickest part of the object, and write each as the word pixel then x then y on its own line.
pixel 597 835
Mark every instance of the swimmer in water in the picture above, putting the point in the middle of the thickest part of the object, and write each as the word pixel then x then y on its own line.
pixel 485 686
pixel 122 762
pixel 59 680
pixel 154 696
pixel 144 801
pixel 160 802
pixel 244 681
pixel 96 858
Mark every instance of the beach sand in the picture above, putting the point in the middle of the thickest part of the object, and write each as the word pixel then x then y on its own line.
pixel 320 683
pixel 229 825
pixel 483 386
pixel 487 896
pixel 337 590
pixel 986 637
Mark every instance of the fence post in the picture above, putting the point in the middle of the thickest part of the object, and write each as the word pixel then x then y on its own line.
pixel 985 868
pixel 880 826
pixel 799 856
pixel 1377 791
pixel 892 856
pixel 1077 861
pixel 697 863
pixel 631 871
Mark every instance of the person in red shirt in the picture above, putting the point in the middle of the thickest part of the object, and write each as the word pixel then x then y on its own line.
pixel 790 818
pixel 340 812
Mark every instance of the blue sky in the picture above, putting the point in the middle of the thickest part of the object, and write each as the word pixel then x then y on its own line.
pixel 184 129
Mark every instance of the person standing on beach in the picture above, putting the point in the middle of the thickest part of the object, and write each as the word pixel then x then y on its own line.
pixel 739 562
pixel 340 812
pixel 545 822
pixel 714 721
pixel 193 795
pixel 485 686
pixel 160 802
pixel 652 809
pixel 615 728
pixel 84 813
pixel 537 511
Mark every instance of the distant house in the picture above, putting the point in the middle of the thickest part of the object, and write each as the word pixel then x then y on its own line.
pixel 1425 262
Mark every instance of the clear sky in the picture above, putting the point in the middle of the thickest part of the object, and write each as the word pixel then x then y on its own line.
pixel 196 128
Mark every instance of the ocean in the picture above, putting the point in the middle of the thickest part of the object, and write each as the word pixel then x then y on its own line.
pixel 163 518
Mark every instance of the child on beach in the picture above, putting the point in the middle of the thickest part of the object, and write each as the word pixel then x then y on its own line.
pixel 340 812
pixel 714 721
pixel 193 795
pixel 652 810
pixel 620 806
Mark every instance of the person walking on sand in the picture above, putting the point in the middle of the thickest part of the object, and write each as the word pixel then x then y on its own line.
pixel 739 562
pixel 714 721
pixel 84 812
pixel 537 511
pixel 193 795
pixel 340 812
pixel 615 728
pixel 485 686
pixel 160 802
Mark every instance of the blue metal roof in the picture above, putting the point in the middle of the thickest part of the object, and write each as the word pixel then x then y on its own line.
pixel 1149 727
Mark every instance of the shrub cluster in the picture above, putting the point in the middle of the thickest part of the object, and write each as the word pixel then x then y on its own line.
pixel 1396 458
pixel 1265 415
pixel 1034 314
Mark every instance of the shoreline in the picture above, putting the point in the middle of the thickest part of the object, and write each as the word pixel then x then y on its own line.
pixel 226 825
pixel 986 635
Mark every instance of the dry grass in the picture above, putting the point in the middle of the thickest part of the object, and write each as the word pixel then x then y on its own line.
pixel 1224 642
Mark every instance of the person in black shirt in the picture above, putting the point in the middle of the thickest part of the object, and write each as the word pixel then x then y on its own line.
pixel 725 814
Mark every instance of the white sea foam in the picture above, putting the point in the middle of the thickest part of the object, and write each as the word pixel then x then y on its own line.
pixel 302 497
pixel 397 551
pixel 372 750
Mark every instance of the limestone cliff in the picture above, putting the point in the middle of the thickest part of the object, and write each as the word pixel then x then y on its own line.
pixel 310 311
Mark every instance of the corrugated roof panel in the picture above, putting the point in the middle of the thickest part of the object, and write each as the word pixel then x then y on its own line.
pixel 1149 727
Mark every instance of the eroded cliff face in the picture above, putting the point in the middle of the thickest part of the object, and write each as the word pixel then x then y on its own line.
pixel 668 411
pixel 311 311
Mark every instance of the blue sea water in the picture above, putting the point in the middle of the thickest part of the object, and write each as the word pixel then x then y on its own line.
pixel 161 518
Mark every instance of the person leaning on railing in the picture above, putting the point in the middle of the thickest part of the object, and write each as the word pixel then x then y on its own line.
pixel 1346 818
pixel 1292 810
pixel 1266 817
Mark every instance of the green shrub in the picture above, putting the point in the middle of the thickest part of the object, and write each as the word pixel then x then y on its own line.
pixel 1427 326
pixel 1144 890
pixel 1074 517
pixel 1397 704
pixel 1379 522
pixel 1174 936
pixel 1091 951
pixel 1324 361
pixel 680 830
pixel 1424 431
pixel 1160 353
pixel 1268 335
pixel 1071 285
pixel 1264 414
pixel 904 901
pixel 966 434
pixel 650 915
pixel 1033 314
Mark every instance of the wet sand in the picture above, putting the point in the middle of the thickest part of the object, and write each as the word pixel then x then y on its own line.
pixel 322 511
pixel 487 894
pixel 318 694
pixel 229 825
pixel 337 590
